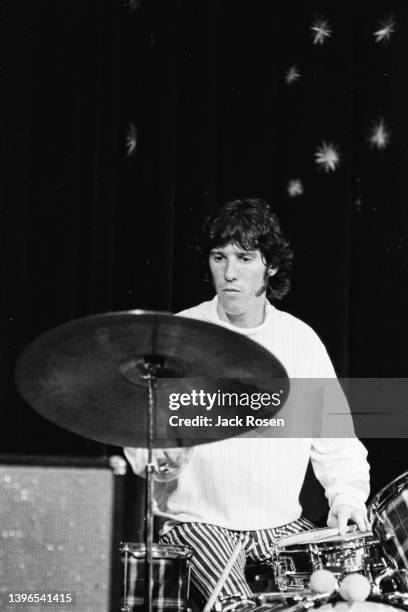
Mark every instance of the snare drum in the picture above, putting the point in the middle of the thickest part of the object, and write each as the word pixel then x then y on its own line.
pixel 171 577
pixel 298 556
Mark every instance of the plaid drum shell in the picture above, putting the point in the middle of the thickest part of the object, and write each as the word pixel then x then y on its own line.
pixel 171 577
pixel 388 512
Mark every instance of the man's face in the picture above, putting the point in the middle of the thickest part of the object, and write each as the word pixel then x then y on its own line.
pixel 239 277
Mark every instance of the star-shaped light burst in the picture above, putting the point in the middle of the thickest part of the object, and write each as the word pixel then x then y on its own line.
pixel 358 204
pixel 134 5
pixel 131 139
pixel 379 135
pixel 386 28
pixel 327 157
pixel 295 188
pixel 321 30
pixel 292 75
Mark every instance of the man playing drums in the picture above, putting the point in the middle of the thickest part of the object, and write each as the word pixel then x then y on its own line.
pixel 248 487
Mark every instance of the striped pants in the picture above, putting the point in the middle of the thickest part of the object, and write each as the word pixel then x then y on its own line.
pixel 212 547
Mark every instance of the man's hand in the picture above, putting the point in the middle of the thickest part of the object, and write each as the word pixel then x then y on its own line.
pixel 343 513
pixel 170 457
pixel 169 461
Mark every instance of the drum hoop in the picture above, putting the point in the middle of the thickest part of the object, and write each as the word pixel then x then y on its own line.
pixel 330 546
pixel 159 551
pixel 346 544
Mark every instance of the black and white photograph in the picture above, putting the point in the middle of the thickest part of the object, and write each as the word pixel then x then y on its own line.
pixel 204 246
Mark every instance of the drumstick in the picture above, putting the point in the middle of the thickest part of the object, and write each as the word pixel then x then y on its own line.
pixel 312 536
pixel 224 575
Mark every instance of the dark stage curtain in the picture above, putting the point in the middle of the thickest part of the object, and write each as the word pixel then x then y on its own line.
pixel 123 123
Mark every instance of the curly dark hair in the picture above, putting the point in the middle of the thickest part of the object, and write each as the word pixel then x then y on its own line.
pixel 251 224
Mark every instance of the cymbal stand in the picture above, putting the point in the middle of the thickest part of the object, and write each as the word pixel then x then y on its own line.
pixel 150 376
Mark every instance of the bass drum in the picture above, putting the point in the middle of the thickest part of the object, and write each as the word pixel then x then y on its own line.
pixel 371 605
pixel 275 603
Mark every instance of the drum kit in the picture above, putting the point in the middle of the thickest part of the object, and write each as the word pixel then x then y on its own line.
pixel 104 377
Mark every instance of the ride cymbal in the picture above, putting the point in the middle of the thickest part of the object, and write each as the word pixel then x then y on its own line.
pixel 87 375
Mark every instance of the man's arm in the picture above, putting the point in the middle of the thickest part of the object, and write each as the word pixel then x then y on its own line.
pixel 341 466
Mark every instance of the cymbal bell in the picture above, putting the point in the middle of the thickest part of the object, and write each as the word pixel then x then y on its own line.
pixel 89 375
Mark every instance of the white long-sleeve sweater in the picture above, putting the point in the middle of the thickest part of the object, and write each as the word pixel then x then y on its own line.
pixel 247 483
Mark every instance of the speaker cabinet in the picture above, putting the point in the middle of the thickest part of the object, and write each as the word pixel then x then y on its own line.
pixel 60 529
